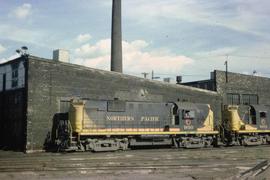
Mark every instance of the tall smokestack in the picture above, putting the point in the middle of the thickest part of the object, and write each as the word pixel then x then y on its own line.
pixel 116 43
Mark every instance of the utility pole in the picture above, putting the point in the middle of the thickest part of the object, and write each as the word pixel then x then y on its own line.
pixel 226 64
pixel 145 74
pixel 153 77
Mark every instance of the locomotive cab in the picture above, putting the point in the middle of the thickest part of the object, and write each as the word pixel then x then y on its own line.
pixel 195 117
pixel 195 123
pixel 247 118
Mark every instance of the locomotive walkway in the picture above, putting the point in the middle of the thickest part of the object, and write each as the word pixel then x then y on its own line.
pixel 220 163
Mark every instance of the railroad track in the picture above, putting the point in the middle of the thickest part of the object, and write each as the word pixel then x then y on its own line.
pixel 209 161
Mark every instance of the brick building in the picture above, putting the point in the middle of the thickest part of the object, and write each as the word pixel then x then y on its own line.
pixel 35 90
pixel 236 88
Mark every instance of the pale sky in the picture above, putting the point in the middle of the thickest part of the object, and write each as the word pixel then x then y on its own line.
pixel 172 37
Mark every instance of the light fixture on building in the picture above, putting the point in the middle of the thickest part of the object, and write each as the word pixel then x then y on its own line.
pixel 22 51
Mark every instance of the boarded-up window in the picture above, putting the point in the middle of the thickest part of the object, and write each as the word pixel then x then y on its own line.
pixel 233 98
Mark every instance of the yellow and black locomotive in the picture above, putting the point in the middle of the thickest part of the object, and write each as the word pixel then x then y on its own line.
pixel 96 125
pixel 117 125
pixel 246 125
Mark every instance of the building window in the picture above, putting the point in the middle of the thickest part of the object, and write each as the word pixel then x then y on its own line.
pixel 15 75
pixel 233 99
pixel 4 82
pixel 253 99
pixel 250 99
pixel 14 78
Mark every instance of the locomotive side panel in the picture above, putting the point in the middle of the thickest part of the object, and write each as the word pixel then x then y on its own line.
pixel 124 116
pixel 98 116
pixel 140 116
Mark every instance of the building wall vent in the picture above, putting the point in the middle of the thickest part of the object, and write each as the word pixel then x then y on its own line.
pixel 61 55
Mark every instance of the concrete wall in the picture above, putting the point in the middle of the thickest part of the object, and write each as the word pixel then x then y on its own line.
pixel 49 82
pixel 243 84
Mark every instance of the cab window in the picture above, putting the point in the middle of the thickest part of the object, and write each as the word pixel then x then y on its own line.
pixel 175 117
pixel 262 115
pixel 188 114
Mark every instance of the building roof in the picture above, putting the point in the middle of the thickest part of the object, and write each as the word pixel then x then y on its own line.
pixel 125 76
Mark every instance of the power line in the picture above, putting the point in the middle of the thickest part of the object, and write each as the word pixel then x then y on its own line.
pixel 243 56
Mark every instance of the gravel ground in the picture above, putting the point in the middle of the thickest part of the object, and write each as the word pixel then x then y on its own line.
pixel 158 164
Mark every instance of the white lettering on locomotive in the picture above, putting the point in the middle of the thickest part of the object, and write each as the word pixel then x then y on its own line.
pixel 188 127
pixel 149 118
pixel 120 118
pixel 263 124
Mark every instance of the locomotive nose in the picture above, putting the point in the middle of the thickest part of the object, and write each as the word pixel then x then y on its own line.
pixel 76 116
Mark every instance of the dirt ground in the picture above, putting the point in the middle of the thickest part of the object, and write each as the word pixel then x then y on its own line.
pixel 146 164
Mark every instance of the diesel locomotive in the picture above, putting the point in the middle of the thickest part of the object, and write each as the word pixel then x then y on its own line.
pixel 99 125
pixel 118 125
pixel 246 125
